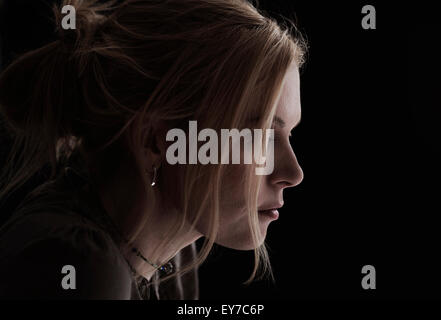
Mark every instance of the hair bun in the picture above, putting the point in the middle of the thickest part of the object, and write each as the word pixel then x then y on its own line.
pixel 89 15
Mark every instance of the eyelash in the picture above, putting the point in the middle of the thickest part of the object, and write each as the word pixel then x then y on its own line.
pixel 276 137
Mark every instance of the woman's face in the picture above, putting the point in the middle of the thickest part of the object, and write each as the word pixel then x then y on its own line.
pixel 234 231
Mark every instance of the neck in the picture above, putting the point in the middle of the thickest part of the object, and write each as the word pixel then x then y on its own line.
pixel 125 201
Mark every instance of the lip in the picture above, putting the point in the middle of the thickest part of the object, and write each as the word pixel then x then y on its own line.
pixel 273 206
pixel 272 214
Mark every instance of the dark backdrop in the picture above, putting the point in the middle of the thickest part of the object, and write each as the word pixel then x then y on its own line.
pixel 368 145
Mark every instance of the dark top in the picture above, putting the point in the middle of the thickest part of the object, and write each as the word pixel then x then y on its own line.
pixel 39 240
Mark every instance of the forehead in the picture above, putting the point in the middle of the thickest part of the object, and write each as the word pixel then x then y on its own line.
pixel 289 109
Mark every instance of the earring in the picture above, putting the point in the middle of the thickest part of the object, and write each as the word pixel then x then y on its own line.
pixel 155 175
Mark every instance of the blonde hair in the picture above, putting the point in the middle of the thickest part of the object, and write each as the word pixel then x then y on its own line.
pixel 100 87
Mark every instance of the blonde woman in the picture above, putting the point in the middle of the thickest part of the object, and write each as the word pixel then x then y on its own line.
pixel 90 112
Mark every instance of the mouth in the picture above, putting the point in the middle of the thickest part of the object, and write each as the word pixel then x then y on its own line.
pixel 271 213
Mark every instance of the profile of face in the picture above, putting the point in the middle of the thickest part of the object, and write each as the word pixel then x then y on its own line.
pixel 234 231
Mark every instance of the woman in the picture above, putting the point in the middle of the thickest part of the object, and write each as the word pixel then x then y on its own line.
pixel 113 218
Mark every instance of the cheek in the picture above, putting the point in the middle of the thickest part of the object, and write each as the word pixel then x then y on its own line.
pixel 232 201
pixel 171 185
pixel 233 195
pixel 282 156
pixel 264 189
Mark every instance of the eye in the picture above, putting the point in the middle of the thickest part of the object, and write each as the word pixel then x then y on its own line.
pixel 278 136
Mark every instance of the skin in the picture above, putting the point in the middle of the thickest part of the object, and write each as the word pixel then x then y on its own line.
pixel 124 197
pixel 234 230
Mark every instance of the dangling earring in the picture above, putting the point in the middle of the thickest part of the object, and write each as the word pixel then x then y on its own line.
pixel 155 175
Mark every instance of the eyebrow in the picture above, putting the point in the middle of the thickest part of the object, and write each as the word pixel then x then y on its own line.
pixel 278 121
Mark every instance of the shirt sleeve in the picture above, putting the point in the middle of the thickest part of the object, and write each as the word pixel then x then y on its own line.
pixel 75 261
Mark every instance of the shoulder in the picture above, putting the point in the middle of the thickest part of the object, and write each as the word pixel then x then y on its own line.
pixel 60 256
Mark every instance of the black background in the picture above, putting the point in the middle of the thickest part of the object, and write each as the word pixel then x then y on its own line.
pixel 368 145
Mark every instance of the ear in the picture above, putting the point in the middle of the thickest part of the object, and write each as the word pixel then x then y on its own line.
pixel 155 147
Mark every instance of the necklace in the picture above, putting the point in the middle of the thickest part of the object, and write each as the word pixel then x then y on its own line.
pixel 166 268
pixel 71 174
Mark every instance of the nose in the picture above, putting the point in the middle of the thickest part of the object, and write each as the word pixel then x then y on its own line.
pixel 287 171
